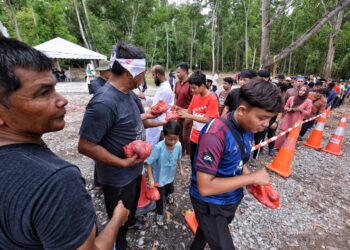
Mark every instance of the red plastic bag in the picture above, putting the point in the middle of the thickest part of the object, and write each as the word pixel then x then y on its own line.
pixel 172 115
pixel 266 195
pixel 159 108
pixel 152 193
pixel 143 149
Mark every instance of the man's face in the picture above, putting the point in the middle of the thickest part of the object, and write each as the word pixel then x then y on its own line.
pixel 242 81
pixel 157 82
pixel 254 119
pixel 298 83
pixel 35 108
pixel 226 86
pixel 181 74
pixel 198 90
pixel 138 80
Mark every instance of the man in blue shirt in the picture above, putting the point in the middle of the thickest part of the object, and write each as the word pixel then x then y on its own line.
pixel 219 172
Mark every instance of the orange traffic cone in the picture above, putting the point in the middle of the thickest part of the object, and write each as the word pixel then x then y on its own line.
pixel 144 205
pixel 191 220
pixel 283 160
pixel 315 138
pixel 334 145
pixel 328 112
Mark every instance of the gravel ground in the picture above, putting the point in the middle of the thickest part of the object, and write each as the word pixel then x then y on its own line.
pixel 315 201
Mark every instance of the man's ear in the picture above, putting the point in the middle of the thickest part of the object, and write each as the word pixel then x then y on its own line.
pixel 128 75
pixel 3 109
pixel 242 110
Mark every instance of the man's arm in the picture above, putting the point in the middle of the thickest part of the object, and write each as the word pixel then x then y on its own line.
pixel 212 185
pixel 106 239
pixel 100 154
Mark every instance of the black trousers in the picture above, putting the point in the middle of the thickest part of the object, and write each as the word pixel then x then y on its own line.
pixel 305 127
pixel 260 136
pixel 129 194
pixel 164 192
pixel 213 221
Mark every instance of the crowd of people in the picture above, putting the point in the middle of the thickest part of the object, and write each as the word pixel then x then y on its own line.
pixel 44 203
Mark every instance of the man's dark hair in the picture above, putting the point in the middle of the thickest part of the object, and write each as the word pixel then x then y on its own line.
pixel 258 93
pixel 311 84
pixel 318 83
pixel 159 70
pixel 280 76
pixel 125 51
pixel 172 128
pixel 229 80
pixel 15 54
pixel 264 73
pixel 183 66
pixel 197 78
pixel 247 73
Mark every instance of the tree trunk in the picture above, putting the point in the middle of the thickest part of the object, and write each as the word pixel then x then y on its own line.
pixel 193 37
pixel 167 47
pixel 308 34
pixel 327 72
pixel 154 49
pixel 236 57
pixel 222 52
pixel 213 37
pixel 218 52
pixel 13 18
pixel 246 5
pixel 254 55
pixel 86 15
pixel 291 54
pixel 265 32
pixel 80 25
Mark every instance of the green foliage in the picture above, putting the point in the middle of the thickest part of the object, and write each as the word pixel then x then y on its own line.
pixel 146 23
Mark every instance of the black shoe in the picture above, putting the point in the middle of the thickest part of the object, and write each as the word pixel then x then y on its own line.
pixel 139 225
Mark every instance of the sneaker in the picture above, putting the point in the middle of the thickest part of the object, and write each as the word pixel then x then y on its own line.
pixel 159 220
pixel 170 199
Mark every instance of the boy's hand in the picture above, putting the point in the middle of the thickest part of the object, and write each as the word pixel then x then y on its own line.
pixel 261 177
pixel 151 183
pixel 120 214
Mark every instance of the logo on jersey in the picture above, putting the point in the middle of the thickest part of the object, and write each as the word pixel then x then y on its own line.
pixel 208 158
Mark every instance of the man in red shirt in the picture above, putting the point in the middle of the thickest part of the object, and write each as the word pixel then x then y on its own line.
pixel 183 97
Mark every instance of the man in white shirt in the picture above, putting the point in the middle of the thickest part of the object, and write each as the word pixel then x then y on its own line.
pixel 164 93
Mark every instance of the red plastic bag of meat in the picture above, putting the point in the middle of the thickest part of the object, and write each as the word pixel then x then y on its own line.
pixel 159 108
pixel 172 115
pixel 143 149
pixel 266 195
pixel 152 193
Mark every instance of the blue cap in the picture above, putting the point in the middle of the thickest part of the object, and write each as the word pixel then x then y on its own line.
pixel 300 78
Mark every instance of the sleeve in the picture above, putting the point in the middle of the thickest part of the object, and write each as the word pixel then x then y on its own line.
pixel 150 100
pixel 97 121
pixel 213 107
pixel 63 215
pixel 210 150
pixel 289 102
pixel 178 145
pixel 228 101
pixel 154 155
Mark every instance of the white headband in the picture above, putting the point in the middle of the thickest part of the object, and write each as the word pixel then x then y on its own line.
pixel 134 66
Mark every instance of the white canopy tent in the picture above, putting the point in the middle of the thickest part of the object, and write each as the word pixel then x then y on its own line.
pixel 59 48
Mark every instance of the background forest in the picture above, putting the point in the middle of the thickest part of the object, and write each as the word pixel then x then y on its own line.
pixel 223 35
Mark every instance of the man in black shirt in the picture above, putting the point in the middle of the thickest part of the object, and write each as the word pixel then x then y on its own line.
pixel 232 100
pixel 43 200
pixel 105 72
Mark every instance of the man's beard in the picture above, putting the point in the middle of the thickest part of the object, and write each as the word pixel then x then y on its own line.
pixel 157 82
